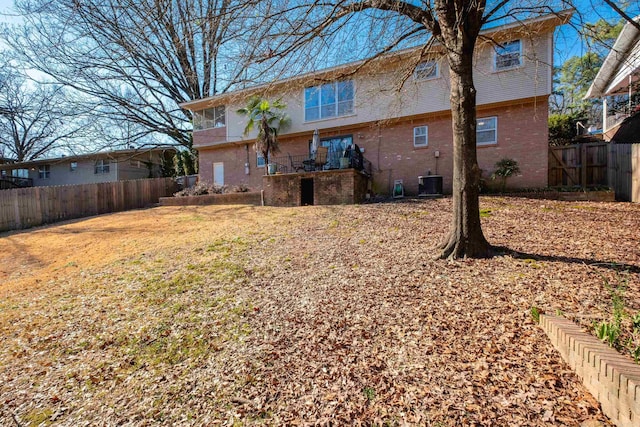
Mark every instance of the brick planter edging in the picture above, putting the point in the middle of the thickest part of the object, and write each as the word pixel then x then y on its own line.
pixel 610 377
pixel 567 196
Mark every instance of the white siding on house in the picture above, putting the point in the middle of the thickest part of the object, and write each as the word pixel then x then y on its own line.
pixel 376 97
pixel 61 174
pixel 125 168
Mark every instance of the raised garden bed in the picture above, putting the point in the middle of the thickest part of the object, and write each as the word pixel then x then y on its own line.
pixel 247 198
pixel 584 196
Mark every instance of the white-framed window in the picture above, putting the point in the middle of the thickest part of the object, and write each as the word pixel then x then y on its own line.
pixel 328 100
pixel 44 171
pixel 508 55
pixel 487 131
pixel 214 117
pixel 260 160
pixel 421 136
pixel 426 70
pixel 102 166
pixel 73 166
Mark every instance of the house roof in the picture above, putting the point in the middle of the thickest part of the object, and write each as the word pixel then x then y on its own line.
pixel 621 67
pixel 540 23
pixel 90 156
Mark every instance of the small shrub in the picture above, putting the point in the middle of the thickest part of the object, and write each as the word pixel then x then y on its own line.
pixel 203 188
pixel 505 168
pixel 242 188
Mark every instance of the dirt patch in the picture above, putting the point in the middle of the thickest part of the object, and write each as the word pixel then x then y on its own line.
pixel 227 314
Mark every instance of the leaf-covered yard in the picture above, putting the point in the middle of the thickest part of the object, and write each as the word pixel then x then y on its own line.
pixel 318 315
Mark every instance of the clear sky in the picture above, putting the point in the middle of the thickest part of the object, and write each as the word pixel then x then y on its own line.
pixel 5 8
pixel 567 41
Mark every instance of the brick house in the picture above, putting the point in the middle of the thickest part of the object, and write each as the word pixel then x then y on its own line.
pixel 403 132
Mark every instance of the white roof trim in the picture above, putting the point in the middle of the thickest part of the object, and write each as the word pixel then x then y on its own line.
pixel 622 62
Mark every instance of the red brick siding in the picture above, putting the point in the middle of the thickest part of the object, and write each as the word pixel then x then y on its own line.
pixel 334 187
pixel 208 136
pixel 234 158
pixel 522 135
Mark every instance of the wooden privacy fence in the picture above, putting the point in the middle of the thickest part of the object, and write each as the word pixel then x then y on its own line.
pixel 29 207
pixel 583 165
pixel 614 165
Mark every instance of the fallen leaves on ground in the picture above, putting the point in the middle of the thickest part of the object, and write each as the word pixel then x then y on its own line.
pixel 317 315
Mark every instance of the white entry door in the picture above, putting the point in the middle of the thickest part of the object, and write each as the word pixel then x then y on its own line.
pixel 218 173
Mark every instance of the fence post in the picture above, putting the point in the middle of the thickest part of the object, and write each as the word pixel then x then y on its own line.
pixel 583 165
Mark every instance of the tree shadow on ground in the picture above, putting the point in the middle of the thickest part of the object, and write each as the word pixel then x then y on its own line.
pixel 611 265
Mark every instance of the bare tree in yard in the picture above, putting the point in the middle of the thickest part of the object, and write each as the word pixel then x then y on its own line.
pixel 35 119
pixel 135 61
pixel 453 24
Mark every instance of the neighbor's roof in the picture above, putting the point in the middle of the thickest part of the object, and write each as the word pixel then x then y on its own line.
pixel 543 22
pixel 621 64
pixel 98 155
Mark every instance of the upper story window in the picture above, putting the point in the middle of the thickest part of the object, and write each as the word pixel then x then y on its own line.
pixel 328 100
pixel 487 131
pixel 73 166
pixel 44 171
pixel 209 118
pixel 102 166
pixel 426 70
pixel 509 55
pixel 421 136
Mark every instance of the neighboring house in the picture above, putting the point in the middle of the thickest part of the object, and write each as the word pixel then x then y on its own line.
pixel 109 166
pixel 618 84
pixel 405 133
pixel 619 77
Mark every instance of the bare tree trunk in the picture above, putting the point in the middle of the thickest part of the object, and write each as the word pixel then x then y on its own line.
pixel 465 238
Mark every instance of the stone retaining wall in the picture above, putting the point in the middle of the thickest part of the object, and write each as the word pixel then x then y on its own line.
pixel 252 198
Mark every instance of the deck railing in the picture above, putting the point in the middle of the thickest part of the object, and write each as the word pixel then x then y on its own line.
pixel 15 182
pixel 300 164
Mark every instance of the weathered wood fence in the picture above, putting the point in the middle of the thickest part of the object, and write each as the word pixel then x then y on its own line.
pixel 29 207
pixel 597 164
pixel 583 165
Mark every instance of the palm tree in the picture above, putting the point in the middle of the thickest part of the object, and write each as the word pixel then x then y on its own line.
pixel 269 118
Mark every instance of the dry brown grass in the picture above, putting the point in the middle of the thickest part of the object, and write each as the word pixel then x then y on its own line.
pixel 245 315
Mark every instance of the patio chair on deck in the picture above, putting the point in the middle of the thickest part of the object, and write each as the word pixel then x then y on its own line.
pixel 295 166
pixel 321 157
